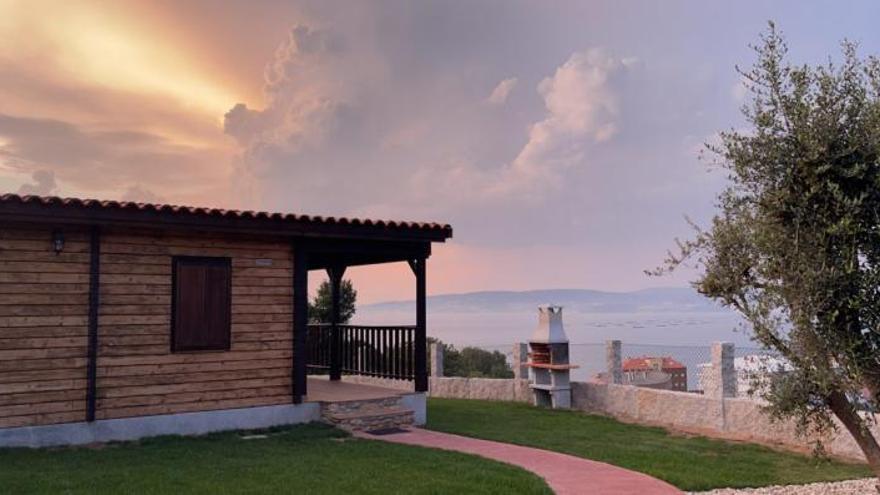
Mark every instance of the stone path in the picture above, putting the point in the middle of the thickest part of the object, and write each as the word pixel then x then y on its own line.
pixel 566 475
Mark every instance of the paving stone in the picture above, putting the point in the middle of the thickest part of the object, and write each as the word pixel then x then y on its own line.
pixel 566 474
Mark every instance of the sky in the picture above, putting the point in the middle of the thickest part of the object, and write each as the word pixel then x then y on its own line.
pixel 559 139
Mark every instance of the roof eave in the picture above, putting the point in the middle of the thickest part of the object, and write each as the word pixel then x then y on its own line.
pixel 264 224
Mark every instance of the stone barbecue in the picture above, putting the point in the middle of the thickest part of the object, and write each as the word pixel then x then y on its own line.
pixel 549 367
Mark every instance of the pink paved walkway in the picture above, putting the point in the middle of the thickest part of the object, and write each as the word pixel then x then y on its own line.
pixel 566 475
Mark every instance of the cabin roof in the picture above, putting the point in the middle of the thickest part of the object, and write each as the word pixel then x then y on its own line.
pixel 53 209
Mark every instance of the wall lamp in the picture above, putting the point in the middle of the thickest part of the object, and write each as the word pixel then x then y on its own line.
pixel 58 241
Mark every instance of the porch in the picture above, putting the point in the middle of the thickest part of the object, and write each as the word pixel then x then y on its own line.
pixel 323 390
pixel 332 349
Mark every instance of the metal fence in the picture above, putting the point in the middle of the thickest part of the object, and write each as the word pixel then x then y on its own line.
pixel 591 359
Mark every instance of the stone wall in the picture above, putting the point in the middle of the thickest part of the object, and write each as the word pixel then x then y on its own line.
pixel 725 418
pixel 514 390
pixel 716 414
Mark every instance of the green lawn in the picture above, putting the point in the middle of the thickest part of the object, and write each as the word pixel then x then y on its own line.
pixel 310 459
pixel 316 459
pixel 690 463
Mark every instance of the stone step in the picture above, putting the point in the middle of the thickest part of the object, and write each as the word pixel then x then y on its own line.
pixel 361 405
pixel 368 414
pixel 372 419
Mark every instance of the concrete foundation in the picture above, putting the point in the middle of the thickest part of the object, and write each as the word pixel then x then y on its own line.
pixel 195 423
pixel 418 402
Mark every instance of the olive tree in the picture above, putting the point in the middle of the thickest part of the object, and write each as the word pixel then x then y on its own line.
pixel 795 244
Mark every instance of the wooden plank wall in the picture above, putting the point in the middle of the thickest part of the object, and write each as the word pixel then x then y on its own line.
pixel 43 327
pixel 137 373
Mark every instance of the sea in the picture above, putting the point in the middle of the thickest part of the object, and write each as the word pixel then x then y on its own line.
pixel 686 337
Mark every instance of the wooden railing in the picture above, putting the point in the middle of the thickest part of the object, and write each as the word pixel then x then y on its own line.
pixel 380 351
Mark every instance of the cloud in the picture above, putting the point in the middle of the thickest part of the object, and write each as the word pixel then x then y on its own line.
pixel 106 163
pixel 345 131
pixel 305 95
pixel 308 133
pixel 139 194
pixel 44 184
pixel 374 109
pixel 89 43
pixel 502 91
pixel 581 108
pixel 100 138
pixel 341 133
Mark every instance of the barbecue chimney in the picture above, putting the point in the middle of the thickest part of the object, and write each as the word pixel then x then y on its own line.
pixel 549 368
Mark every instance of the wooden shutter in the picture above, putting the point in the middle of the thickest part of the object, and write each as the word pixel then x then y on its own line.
pixel 202 304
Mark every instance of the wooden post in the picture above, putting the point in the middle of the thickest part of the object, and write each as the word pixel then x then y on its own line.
pixel 94 301
pixel 300 323
pixel 335 274
pixel 421 341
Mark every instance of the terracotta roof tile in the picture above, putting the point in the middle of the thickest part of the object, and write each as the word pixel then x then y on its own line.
pixel 644 363
pixel 223 213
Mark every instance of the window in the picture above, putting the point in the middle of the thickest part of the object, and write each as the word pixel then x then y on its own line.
pixel 201 310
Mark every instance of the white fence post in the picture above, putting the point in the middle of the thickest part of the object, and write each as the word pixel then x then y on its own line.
pixel 436 359
pixel 613 362
pixel 723 375
pixel 519 360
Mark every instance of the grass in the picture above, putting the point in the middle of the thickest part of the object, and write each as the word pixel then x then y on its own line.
pixel 316 459
pixel 690 463
pixel 311 459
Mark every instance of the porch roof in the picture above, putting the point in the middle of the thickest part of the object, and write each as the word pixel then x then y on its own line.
pixel 53 209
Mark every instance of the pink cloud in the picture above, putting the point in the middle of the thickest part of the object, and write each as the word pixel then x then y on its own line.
pixel 502 91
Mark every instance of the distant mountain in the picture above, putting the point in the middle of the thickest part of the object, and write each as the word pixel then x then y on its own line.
pixel 682 300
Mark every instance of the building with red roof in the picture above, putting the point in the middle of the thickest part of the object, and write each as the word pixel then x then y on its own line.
pixel 636 369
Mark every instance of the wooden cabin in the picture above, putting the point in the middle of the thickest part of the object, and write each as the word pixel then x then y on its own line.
pixel 120 320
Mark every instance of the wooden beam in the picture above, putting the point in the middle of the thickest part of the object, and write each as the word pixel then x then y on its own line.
pixel 325 261
pixel 329 253
pixel 421 339
pixel 94 302
pixel 335 274
pixel 300 323
pixel 414 248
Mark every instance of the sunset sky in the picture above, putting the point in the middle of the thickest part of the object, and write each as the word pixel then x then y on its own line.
pixel 558 138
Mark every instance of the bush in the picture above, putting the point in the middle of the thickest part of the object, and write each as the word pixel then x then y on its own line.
pixel 473 362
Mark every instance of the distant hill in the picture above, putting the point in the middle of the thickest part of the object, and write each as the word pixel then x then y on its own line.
pixel 684 300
